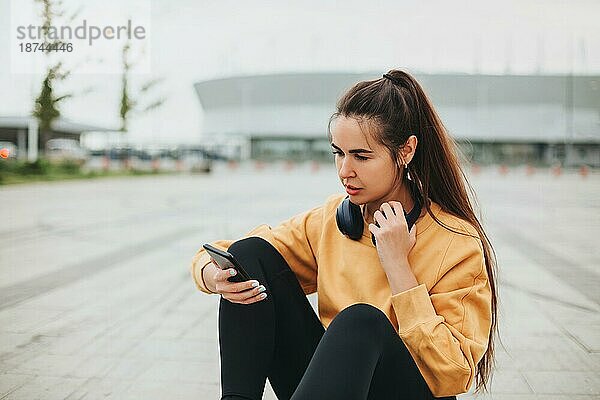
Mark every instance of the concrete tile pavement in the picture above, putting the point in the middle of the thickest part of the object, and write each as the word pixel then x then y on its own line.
pixel 134 327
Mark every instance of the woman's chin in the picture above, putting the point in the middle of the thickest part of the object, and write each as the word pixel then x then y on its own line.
pixel 358 198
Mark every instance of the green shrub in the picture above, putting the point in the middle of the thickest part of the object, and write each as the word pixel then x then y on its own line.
pixel 38 167
pixel 68 167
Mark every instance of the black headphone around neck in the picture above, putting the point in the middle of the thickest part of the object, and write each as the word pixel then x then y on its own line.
pixel 350 220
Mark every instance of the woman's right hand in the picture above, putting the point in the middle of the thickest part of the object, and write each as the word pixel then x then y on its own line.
pixel 247 292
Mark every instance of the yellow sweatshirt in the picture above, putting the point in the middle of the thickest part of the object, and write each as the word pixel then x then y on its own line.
pixel 444 322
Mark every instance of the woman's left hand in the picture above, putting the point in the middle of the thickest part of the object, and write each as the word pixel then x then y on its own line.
pixel 394 241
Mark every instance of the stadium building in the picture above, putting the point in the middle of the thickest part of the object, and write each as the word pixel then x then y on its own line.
pixel 513 119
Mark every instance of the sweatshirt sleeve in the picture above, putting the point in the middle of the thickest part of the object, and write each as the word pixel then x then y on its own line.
pixel 447 329
pixel 295 239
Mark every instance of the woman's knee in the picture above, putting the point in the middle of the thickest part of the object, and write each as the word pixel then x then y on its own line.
pixel 252 245
pixel 253 248
pixel 362 317
pixel 256 253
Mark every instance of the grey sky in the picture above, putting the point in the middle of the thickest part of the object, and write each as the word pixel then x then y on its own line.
pixel 195 40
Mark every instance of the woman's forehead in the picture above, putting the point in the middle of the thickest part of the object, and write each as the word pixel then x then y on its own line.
pixel 349 132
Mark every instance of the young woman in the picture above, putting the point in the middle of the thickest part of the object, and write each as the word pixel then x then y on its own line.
pixel 407 301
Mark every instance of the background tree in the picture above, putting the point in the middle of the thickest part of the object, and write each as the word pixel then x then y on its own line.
pixel 133 103
pixel 46 107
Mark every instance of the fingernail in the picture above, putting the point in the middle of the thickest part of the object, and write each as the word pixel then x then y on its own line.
pixel 261 289
pixel 254 284
pixel 232 272
pixel 263 296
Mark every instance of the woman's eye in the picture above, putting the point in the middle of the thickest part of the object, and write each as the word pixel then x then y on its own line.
pixel 359 158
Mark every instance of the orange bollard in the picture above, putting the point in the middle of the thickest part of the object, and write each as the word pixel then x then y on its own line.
pixel 584 171
pixel 288 166
pixel 232 164
pixel 556 170
pixel 314 167
pixel 529 170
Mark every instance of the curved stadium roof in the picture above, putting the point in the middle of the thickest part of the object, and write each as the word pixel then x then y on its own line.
pixel 477 107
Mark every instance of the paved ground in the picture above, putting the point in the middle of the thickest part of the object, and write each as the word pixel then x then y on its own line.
pixel 96 300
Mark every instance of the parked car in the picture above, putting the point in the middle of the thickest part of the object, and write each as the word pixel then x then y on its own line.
pixel 65 149
pixel 196 159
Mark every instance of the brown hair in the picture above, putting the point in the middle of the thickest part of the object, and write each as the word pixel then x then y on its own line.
pixel 397 107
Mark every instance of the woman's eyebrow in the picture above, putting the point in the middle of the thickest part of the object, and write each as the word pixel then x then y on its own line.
pixel 353 150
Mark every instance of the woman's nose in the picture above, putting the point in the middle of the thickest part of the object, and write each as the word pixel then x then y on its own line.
pixel 346 169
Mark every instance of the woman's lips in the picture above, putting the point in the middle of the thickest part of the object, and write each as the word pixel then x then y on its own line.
pixel 352 191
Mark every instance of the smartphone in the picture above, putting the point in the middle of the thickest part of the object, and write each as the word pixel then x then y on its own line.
pixel 226 260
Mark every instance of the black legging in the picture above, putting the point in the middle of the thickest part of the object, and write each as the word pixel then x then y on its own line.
pixel 360 355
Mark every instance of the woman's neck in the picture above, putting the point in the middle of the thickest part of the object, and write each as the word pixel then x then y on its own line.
pixel 402 195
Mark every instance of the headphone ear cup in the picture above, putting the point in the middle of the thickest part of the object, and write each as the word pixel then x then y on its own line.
pixel 349 219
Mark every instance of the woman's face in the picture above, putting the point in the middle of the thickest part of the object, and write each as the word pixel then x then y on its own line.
pixel 362 163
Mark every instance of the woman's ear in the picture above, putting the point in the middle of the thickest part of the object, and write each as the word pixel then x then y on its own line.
pixel 407 152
